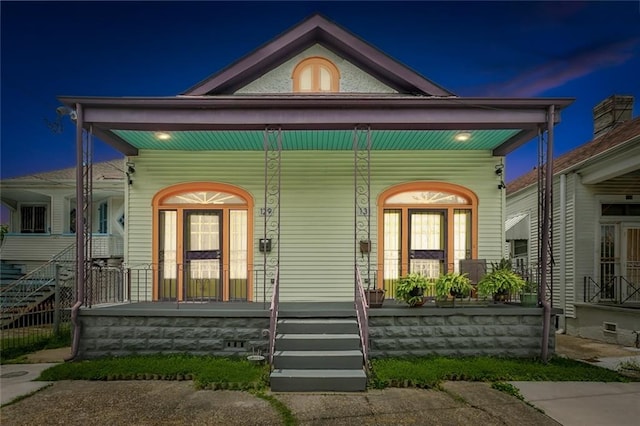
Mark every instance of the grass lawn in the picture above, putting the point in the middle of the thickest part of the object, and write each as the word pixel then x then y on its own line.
pixel 428 372
pixel 206 372
pixel 238 373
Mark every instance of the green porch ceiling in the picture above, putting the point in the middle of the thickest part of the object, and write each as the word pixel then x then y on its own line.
pixel 321 140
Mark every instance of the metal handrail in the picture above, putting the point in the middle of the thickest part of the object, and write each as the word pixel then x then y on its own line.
pixel 273 317
pixel 362 307
pixel 33 282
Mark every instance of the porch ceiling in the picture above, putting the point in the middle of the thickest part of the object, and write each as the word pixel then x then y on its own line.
pixel 315 122
pixel 333 140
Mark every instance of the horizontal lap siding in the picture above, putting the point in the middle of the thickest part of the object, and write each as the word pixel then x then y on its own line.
pixel 317 205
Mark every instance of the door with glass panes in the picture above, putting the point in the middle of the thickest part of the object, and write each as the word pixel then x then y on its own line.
pixel 425 230
pixel 203 248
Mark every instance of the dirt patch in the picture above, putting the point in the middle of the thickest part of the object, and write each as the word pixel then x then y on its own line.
pixel 585 349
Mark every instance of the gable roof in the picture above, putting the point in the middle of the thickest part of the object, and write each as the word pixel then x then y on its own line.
pixel 627 131
pixel 313 30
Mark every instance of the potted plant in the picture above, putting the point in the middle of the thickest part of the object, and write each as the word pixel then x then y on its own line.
pixel 453 284
pixel 375 296
pixel 410 288
pixel 529 295
pixel 500 282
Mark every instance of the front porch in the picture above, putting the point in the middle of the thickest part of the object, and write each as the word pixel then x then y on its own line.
pixel 242 328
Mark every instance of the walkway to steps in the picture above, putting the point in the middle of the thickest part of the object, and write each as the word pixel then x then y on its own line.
pixel 318 351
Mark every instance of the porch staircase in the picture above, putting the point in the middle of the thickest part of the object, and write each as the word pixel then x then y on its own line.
pixel 20 293
pixel 318 354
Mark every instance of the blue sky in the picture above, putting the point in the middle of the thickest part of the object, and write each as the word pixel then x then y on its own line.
pixel 586 50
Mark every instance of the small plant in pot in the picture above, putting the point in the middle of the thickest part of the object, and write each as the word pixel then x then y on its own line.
pixel 529 295
pixel 375 296
pixel 453 284
pixel 499 283
pixel 410 288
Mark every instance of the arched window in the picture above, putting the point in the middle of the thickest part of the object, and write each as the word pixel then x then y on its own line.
pixel 316 75
pixel 425 227
pixel 202 244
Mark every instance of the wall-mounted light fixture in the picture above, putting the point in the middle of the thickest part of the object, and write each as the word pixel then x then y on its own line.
pixel 131 169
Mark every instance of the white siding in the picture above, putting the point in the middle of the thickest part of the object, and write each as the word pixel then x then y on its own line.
pixel 317 250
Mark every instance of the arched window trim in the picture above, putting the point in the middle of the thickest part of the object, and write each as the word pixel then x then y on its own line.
pixel 426 186
pixel 158 205
pixel 316 62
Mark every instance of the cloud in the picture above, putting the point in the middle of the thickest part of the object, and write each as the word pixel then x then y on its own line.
pixel 555 73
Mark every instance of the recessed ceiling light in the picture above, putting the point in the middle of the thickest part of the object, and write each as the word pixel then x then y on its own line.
pixel 462 136
pixel 163 136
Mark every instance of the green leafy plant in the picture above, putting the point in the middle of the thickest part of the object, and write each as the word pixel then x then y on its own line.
pixel 500 282
pixel 410 288
pixel 454 284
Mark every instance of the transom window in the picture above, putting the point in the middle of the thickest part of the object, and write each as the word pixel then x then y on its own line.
pixel 316 75
pixel 204 197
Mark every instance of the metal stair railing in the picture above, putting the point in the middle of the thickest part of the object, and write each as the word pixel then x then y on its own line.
pixel 362 315
pixel 26 287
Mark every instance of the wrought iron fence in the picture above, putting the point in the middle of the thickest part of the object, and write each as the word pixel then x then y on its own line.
pixel 158 283
pixel 616 289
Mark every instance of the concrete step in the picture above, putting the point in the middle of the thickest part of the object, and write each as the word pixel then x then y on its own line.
pixel 317 326
pixel 318 360
pixel 313 342
pixel 284 380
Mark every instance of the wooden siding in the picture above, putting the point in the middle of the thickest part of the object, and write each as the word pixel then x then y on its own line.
pixel 317 247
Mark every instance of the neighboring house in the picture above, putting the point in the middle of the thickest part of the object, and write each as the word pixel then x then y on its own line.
pixel 314 157
pixel 42 214
pixel 596 227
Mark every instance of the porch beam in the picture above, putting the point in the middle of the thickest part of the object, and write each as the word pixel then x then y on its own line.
pixel 297 118
pixel 515 142
pixel 116 142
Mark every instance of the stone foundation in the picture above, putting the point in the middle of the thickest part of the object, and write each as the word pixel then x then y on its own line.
pixel 500 331
pixel 116 333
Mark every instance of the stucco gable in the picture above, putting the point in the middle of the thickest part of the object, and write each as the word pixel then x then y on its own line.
pixel 352 78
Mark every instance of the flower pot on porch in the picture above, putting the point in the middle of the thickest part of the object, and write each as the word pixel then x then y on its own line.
pixel 375 297
pixel 529 300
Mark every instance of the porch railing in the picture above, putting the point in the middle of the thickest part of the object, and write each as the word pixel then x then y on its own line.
pixel 474 268
pixel 273 317
pixel 617 290
pixel 362 314
pixel 158 283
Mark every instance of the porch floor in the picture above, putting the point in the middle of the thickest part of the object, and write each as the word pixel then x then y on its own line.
pixel 286 309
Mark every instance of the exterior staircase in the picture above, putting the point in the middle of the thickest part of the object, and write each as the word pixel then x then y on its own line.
pixel 20 294
pixel 318 354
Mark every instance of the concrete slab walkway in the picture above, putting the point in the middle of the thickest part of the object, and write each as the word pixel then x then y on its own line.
pixel 585 403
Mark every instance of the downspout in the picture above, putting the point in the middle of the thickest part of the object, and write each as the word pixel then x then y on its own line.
pixel 548 188
pixel 563 251
pixel 79 235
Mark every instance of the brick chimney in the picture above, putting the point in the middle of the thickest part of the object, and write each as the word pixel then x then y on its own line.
pixel 613 110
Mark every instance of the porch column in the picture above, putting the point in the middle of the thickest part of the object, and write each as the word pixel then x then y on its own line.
pixel 270 242
pixel 362 202
pixel 545 233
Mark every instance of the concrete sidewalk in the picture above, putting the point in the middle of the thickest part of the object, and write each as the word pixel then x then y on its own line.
pixel 585 403
pixel 16 380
